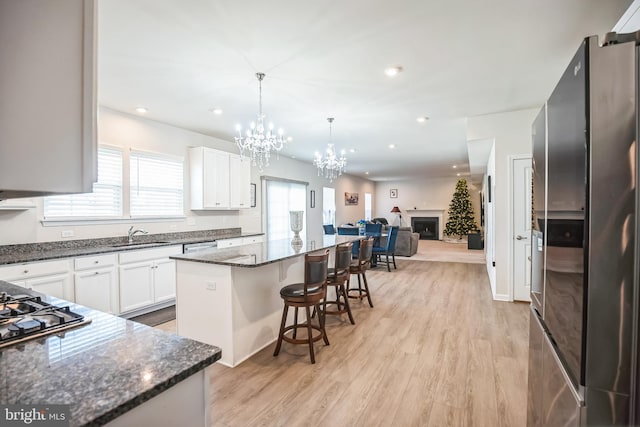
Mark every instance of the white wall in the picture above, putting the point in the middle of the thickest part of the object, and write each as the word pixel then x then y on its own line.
pixel 512 134
pixel 128 131
pixel 434 193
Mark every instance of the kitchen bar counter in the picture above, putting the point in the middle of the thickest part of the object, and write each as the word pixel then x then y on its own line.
pixel 258 254
pixel 104 369
pixel 231 297
pixel 15 254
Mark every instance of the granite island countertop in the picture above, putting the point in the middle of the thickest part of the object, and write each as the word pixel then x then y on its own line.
pixel 257 254
pixel 29 252
pixel 102 369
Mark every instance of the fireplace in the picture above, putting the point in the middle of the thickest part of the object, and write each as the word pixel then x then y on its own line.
pixel 427 226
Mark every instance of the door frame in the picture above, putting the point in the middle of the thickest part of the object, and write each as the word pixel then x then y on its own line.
pixel 510 254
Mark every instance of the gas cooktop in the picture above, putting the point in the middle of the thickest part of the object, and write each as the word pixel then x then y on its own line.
pixel 25 317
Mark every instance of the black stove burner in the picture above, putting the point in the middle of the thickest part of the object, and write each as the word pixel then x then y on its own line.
pixel 24 317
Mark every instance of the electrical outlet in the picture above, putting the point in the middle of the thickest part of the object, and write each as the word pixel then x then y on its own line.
pixel 191 221
pixel 173 227
pixel 211 286
pixel 67 233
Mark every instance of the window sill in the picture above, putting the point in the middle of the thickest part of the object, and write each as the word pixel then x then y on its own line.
pixel 100 221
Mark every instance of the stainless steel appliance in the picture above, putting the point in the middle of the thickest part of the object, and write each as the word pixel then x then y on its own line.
pixel 25 317
pixel 197 247
pixel 584 317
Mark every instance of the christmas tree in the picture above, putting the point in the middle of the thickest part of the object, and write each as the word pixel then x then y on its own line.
pixel 461 218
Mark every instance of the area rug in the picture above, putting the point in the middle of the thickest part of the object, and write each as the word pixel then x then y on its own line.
pixel 157 317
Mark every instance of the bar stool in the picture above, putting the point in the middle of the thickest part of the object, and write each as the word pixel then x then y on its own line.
pixel 337 277
pixel 359 267
pixel 308 294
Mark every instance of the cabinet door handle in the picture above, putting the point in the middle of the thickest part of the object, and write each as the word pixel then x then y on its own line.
pixel 96 262
pixel 519 237
pixel 97 272
pixel 26 271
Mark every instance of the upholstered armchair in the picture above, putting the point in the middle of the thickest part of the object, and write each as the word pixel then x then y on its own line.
pixel 407 242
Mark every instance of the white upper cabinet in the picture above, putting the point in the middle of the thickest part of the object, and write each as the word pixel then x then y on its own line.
pixel 219 180
pixel 240 181
pixel 48 102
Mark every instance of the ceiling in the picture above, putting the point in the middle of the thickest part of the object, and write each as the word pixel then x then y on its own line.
pixel 181 59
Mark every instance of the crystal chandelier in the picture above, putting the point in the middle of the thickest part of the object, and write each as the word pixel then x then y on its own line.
pixel 331 166
pixel 256 143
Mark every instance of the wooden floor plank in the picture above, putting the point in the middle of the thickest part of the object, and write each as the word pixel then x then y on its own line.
pixel 435 350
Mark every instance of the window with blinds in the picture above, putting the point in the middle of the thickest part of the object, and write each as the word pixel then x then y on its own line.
pixel 106 199
pixel 156 185
pixel 282 197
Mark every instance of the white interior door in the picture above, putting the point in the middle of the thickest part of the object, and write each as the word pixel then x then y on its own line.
pixel 521 196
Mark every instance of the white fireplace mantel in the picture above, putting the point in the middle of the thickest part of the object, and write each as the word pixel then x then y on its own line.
pixel 438 213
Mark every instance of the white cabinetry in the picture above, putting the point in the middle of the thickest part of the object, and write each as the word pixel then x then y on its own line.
pixel 48 105
pixel 219 180
pixel 96 282
pixel 147 277
pixel 239 241
pixel 16 204
pixel 49 277
pixel 240 180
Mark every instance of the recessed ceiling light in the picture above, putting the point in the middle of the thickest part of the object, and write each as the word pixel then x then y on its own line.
pixel 217 111
pixel 293 157
pixel 289 138
pixel 352 150
pixel 392 146
pixel 422 119
pixel 393 71
pixel 141 110
pixel 366 173
pixel 457 174
pixel 455 166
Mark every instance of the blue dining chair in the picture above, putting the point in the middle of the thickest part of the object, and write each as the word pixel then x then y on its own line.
pixel 329 229
pixel 389 248
pixel 372 229
pixel 348 231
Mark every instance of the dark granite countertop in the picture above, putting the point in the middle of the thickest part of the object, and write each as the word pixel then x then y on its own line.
pixel 257 254
pixel 28 252
pixel 102 369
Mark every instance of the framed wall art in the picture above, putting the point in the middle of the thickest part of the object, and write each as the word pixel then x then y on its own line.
pixel 252 195
pixel 350 199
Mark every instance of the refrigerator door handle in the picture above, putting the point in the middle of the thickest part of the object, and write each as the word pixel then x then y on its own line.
pixel 519 237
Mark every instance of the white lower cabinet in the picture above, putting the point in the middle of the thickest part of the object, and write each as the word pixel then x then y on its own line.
pixel 136 285
pixel 164 280
pixel 96 282
pixel 147 277
pixel 49 277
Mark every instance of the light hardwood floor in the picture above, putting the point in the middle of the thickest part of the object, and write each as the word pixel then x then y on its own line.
pixel 435 350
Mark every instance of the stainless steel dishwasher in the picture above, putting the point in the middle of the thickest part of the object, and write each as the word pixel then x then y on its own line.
pixel 196 247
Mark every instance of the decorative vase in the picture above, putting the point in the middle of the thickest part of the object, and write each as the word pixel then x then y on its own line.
pixel 297 220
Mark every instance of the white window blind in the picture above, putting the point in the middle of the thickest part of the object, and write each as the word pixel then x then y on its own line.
pixel 106 199
pixel 156 185
pixel 282 197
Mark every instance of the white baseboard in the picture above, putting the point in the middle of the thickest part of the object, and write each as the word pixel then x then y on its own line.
pixel 501 297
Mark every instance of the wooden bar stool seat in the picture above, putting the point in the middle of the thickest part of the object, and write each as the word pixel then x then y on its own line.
pixel 359 267
pixel 337 277
pixel 309 294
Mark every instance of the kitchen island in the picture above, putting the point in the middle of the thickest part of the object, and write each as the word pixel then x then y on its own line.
pixel 111 371
pixel 231 297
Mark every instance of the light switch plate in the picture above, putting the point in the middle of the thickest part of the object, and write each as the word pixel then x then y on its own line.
pixel 67 233
pixel 211 286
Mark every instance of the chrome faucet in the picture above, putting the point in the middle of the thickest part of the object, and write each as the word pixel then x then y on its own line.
pixel 133 232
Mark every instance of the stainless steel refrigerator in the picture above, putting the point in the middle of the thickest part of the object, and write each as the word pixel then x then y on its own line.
pixel 583 342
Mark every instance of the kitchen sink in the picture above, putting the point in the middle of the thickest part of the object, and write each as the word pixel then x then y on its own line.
pixel 137 244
